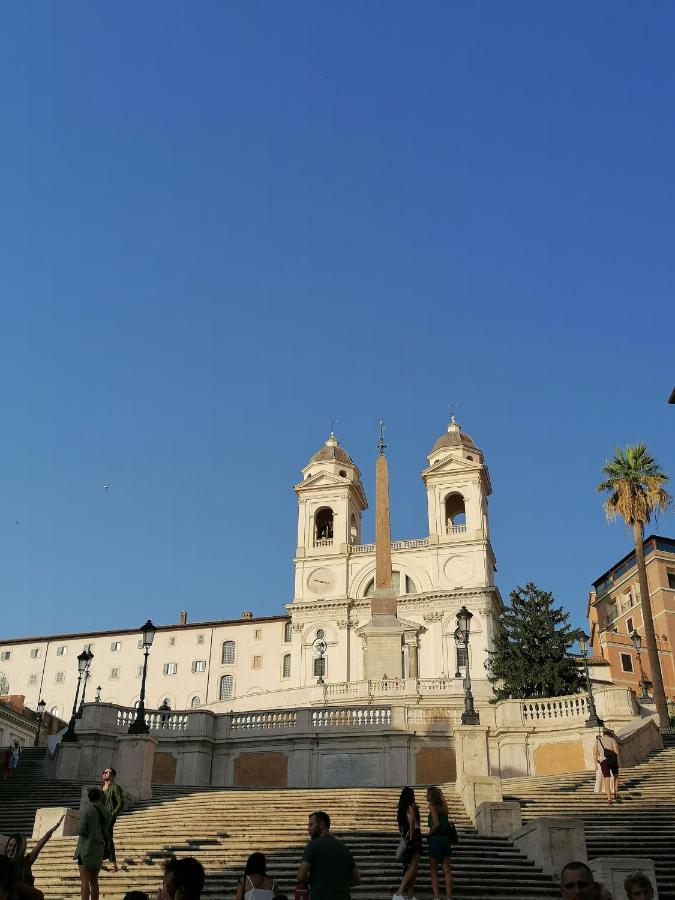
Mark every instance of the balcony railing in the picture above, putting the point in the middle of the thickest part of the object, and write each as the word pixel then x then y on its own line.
pixel 395 545
pixel 324 542
pixel 456 529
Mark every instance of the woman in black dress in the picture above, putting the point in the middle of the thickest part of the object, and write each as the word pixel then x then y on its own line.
pixel 408 820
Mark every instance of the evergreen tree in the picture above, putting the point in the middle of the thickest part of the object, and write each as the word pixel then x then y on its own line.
pixel 532 649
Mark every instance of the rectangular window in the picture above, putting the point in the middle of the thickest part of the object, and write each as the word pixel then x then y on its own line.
pixel 227 653
pixel 89 647
pixel 32 680
pixel 629 625
pixel 286 666
pixel 62 650
pixel 200 638
pixel 5 655
pixel 59 678
pixel 199 665
pixel 257 634
pixel 172 642
pixel 288 632
pixel 320 667
pixel 114 674
pixel 34 653
pixel 671 579
pixel 256 662
pixel 140 644
pixel 170 668
pixel 626 662
pixel 115 646
pixel 139 671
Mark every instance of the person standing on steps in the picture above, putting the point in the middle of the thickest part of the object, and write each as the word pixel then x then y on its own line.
pixel 606 755
pixel 256 884
pixel 408 821
pixel 440 848
pixel 13 759
pixel 92 834
pixel 113 798
pixel 327 864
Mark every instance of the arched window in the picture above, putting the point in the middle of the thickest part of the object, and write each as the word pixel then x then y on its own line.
pixel 353 530
pixel 400 582
pixel 226 687
pixel 227 653
pixel 455 513
pixel 195 702
pixel 286 666
pixel 55 711
pixel 323 525
pixel 288 632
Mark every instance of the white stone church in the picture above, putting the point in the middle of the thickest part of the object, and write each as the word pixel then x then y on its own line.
pixel 314 652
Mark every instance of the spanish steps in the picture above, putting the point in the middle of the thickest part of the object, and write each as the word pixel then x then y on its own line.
pixel 222 826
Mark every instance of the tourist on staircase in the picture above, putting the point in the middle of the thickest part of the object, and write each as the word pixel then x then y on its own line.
pixel 113 798
pixel 327 864
pixel 92 834
pixel 183 879
pixel 409 851
pixel 441 830
pixel 11 888
pixel 15 849
pixel 638 887
pixel 606 755
pixel 12 759
pixel 256 884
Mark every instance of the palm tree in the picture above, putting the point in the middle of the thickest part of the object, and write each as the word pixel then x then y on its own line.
pixel 636 490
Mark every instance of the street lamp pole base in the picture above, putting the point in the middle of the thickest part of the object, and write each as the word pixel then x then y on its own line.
pixel 138 726
pixel 594 721
pixel 470 718
pixel 69 735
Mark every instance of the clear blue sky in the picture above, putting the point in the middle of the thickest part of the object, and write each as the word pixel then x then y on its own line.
pixel 223 223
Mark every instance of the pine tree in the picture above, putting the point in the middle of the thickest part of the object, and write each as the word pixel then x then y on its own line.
pixel 531 656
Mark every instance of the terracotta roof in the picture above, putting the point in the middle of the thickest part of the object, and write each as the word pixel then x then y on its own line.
pixel 454 439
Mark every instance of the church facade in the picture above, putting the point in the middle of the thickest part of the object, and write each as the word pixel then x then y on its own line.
pixel 316 651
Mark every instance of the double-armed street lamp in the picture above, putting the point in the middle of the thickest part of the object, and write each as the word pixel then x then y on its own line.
pixel 83 662
pixel 139 726
pixel 469 716
pixel 41 710
pixel 593 720
pixel 637 643
pixel 85 679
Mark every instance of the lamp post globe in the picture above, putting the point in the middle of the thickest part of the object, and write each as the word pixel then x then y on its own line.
pixel 83 660
pixel 139 726
pixel 593 720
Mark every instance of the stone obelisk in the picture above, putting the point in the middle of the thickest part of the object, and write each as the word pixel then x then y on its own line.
pixel 382 634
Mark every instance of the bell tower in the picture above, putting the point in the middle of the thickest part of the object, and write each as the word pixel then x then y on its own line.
pixel 331 502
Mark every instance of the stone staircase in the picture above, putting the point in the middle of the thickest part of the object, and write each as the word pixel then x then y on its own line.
pixel 29 789
pixel 642 824
pixel 221 827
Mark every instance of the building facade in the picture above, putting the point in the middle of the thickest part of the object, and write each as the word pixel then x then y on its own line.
pixel 314 651
pixel 615 610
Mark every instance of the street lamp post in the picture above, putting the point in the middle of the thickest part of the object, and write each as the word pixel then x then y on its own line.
pixel 469 716
pixel 138 726
pixel 320 647
pixel 97 698
pixel 459 645
pixel 41 710
pixel 637 643
pixel 593 720
pixel 83 661
pixel 85 678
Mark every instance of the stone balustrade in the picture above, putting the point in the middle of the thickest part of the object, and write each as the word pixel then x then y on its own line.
pixel 455 529
pixel 263 721
pixel 413 544
pixel 352 717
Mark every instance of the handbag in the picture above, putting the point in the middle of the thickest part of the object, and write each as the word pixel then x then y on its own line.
pixel 401 849
pixel 454 837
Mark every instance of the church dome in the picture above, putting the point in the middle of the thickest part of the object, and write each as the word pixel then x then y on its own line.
pixel 332 451
pixel 454 437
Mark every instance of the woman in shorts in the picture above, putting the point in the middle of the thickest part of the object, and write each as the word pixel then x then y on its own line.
pixel 440 847
pixel 606 755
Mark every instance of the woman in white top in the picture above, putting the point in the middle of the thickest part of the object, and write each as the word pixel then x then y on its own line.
pixel 256 883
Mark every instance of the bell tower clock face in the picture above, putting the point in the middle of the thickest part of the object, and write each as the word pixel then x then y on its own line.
pixel 320 581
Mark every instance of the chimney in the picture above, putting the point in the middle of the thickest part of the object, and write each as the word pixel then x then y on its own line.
pixel 183 617
pixel 247 614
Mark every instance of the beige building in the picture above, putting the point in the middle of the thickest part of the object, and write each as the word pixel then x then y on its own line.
pixel 615 610
pixel 276 662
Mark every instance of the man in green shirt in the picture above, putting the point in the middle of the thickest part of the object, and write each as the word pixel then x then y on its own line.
pixel 327 864
pixel 113 798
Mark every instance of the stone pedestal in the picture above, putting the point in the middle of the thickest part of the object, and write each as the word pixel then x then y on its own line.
pixel 612 871
pixel 47 816
pixel 552 842
pixel 67 761
pixel 471 750
pixel 477 791
pixel 135 758
pixel 500 819
pixel 383 647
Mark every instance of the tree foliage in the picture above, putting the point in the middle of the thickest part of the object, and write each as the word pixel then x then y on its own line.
pixel 531 656
pixel 635 484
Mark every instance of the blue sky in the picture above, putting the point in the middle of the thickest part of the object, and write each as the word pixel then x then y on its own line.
pixel 222 224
